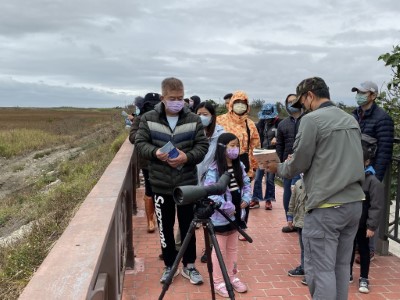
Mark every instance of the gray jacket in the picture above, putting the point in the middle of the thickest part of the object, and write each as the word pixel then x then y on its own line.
pixel 297 202
pixel 328 151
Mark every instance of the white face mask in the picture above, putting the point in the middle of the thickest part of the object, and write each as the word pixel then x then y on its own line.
pixel 239 108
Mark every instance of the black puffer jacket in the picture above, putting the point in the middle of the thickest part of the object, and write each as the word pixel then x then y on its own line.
pixel 188 136
pixel 377 123
pixel 286 134
pixel 267 130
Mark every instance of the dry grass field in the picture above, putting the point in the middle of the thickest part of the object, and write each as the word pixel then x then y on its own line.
pixel 49 160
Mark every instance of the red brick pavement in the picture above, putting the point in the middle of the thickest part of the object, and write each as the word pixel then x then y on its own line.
pixel 263 264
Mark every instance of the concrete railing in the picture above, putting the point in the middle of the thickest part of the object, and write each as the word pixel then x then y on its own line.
pixel 89 259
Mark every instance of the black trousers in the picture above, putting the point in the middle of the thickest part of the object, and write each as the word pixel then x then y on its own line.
pixel 363 248
pixel 165 212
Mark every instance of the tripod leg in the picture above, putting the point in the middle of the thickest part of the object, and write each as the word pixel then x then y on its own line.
pixel 209 263
pixel 217 250
pixel 178 258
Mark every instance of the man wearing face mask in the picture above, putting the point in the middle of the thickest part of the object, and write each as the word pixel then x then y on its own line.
pixel 171 121
pixel 376 123
pixel 327 149
pixel 286 133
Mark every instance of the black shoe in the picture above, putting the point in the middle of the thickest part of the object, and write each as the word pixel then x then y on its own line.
pixel 296 272
pixel 288 229
pixel 303 281
pixel 203 258
pixel 351 279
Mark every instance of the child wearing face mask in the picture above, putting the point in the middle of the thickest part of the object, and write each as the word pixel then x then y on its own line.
pixel 236 198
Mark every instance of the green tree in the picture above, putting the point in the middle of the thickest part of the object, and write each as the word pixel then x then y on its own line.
pixel 389 98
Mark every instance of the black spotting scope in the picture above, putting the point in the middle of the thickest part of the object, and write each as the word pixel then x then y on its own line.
pixel 189 194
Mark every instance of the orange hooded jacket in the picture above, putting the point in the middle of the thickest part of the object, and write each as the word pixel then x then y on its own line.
pixel 236 124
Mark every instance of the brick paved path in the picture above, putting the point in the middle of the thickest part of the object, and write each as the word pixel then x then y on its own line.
pixel 263 265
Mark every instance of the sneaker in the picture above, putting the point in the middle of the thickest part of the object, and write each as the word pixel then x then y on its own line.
pixel 239 286
pixel 296 272
pixel 304 281
pixel 165 274
pixel 192 274
pixel 203 258
pixel 220 289
pixel 254 204
pixel 268 205
pixel 351 279
pixel 287 229
pixel 363 286
pixel 371 255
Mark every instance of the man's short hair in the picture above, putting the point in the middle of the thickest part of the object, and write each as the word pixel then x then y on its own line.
pixel 314 84
pixel 228 96
pixel 171 84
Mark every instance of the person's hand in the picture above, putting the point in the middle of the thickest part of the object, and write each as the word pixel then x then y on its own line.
pixel 273 141
pixel 289 157
pixel 161 156
pixel 180 160
pixel 290 224
pixel 370 233
pixel 243 204
pixel 131 118
pixel 271 167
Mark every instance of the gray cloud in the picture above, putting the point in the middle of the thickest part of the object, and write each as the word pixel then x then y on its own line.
pixel 104 52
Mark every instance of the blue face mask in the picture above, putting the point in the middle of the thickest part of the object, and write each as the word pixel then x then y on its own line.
pixel 205 120
pixel 361 99
pixel 292 110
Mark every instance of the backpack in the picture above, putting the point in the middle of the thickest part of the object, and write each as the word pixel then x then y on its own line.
pixel 369 143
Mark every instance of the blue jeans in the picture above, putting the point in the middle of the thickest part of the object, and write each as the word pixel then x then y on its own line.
pixel 270 186
pixel 287 191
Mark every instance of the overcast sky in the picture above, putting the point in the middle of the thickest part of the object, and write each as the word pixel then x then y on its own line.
pixel 94 53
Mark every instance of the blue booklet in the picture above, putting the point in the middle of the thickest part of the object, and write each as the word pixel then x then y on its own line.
pixel 170 149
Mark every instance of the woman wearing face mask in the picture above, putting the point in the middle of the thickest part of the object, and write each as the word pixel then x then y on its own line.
pixel 236 121
pixel 212 130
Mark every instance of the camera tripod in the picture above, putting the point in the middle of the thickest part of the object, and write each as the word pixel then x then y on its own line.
pixel 203 217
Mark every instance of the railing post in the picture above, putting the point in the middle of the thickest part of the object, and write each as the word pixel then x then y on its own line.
pixel 131 208
pixel 382 244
